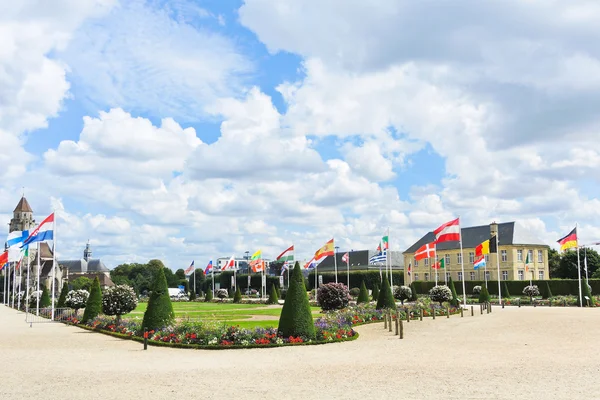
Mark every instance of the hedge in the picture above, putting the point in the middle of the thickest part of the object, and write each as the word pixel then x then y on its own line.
pixel 371 278
pixel 558 287
pixel 242 280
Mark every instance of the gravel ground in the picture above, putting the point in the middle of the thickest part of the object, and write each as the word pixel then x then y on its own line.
pixel 515 353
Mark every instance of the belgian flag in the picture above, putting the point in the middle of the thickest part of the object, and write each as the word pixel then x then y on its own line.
pixel 569 241
pixel 487 247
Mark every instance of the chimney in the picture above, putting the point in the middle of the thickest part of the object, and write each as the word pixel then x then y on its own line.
pixel 494 229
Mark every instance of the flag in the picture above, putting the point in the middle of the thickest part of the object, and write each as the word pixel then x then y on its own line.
pixel 409 268
pixel 440 264
pixel 314 262
pixel 230 264
pixel 425 251
pixel 449 232
pixel 527 262
pixel 257 255
pixel 43 232
pixel 326 250
pixel 14 241
pixel 483 248
pixel 208 268
pixel 493 245
pixel 287 255
pixel 346 258
pixel 3 259
pixel 379 258
pixel 189 269
pixel 385 242
pixel 378 248
pixel 285 266
pixel 569 241
pixel 257 265
pixel 585 261
pixel 479 262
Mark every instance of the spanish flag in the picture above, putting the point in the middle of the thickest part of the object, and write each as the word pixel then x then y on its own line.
pixel 325 251
pixel 569 241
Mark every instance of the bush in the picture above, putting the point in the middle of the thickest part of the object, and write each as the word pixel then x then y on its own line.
pixel 440 293
pixel 45 299
pixel 455 300
pixel 402 293
pixel 273 296
pixel 505 291
pixel 159 312
pixel 333 296
pixel 546 292
pixel 370 277
pixel 531 291
pixel 119 300
pixel 237 297
pixel 209 295
pixel 93 308
pixel 63 296
pixel 192 295
pixel 222 293
pixel 375 293
pixel 363 295
pixel 283 293
pixel 354 292
pixel 386 298
pixel 77 299
pixel 414 292
pixel 296 317
pixel 585 291
pixel 484 295
pixel 477 289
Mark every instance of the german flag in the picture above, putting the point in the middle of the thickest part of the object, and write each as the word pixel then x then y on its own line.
pixel 569 241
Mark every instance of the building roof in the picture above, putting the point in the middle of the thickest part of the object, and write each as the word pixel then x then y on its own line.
pixel 509 233
pixel 23 206
pixel 93 266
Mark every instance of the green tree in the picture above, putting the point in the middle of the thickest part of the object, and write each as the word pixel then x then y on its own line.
pixel 82 282
pixel 45 299
pixel 273 296
pixel 63 296
pixel 567 268
pixel 192 295
pixel 455 300
pixel 386 298
pixel 237 297
pixel 180 274
pixel 505 291
pixel 209 296
pixel 484 295
pixel 296 317
pixel 554 263
pixel 159 312
pixel 585 291
pixel 199 277
pixel 375 292
pixel 363 296
pixel 93 307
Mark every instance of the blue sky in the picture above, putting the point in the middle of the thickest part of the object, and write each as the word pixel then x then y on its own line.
pixel 191 129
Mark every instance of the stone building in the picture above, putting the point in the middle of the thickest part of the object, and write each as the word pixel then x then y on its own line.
pixel 87 267
pixel 515 244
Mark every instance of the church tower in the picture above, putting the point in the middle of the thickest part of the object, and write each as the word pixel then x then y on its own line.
pixel 87 253
pixel 22 217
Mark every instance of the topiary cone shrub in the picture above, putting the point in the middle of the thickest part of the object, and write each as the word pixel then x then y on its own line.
pixel 237 297
pixel 192 295
pixel 505 291
pixel 585 291
pixel 45 299
pixel 484 295
pixel 375 292
pixel 296 317
pixel 386 298
pixel 159 312
pixel 333 296
pixel 548 292
pixel 455 300
pixel 63 296
pixel 119 300
pixel 440 293
pixel 273 296
pixel 413 289
pixel 93 307
pixel 209 296
pixel 363 295
pixel 402 293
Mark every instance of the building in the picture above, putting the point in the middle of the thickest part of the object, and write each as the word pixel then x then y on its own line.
pixel 515 244
pixel 87 267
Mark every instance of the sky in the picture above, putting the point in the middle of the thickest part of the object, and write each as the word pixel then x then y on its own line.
pixel 190 130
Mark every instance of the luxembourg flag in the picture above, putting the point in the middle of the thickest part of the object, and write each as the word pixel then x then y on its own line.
pixel 479 262
pixel 43 233
pixel 208 268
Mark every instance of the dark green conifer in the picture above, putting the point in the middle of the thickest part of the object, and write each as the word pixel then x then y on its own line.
pixel 296 317
pixel 363 295
pixel 93 307
pixel 386 298
pixel 159 312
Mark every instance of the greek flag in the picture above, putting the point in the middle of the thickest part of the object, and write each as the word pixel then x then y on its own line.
pixel 378 258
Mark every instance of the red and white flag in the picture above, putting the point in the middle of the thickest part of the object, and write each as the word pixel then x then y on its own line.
pixel 230 264
pixel 346 258
pixel 449 232
pixel 425 251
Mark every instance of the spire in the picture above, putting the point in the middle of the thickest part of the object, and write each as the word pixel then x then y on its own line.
pixel 23 206
pixel 87 253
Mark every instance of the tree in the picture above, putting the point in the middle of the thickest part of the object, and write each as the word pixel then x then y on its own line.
pixel 199 277
pixel 63 296
pixel 363 296
pixel 273 296
pixel 94 303
pixel 585 291
pixel 77 299
pixel 553 263
pixel 81 283
pixel 296 317
pixel 440 293
pixel 45 299
pixel 386 298
pixel 375 292
pixel 484 295
pixel 180 274
pixel 455 300
pixel 567 268
pixel 119 300
pixel 237 297
pixel 403 293
pixel 413 288
pixel 505 291
pixel 159 312
pixel 209 296
pixel 192 295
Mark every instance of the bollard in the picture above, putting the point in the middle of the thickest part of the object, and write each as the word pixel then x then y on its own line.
pixel 461 312
pixel 502 304
pixel 549 303
pixel 481 308
pixel 534 303
pixel 564 303
pixel 145 338
pixel 384 321
pixel 448 312
pixel 421 318
pixel 490 307
pixel 519 303
pixel 397 322
pixel 407 315
pixel 487 307
pixel 472 314
pixel 390 317
pixel 401 330
pixel 433 312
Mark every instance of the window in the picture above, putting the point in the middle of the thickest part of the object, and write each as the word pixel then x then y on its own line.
pixel 504 275
pixel 519 255
pixel 436 258
pixel 487 258
pixel 447 259
pixel 487 275
pixel 426 276
pixel 471 258
pixel 521 275
pixel 425 262
pixel 459 257
pixel 447 276
pixel 540 256
pixel 530 255
pixel 460 277
pixel 504 255
pixel 416 277
pixel 541 275
pixel 416 263
pixel 472 275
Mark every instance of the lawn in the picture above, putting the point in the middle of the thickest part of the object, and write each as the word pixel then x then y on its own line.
pixel 244 315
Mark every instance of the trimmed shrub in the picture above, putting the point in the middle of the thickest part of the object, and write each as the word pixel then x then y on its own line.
pixel 440 293
pixel 386 298
pixel 119 300
pixel 237 297
pixel 192 295
pixel 209 295
pixel 333 296
pixel 370 277
pixel 273 296
pixel 230 293
pixel 477 289
pixel 375 293
pixel 63 296
pixel 531 291
pixel 413 289
pixel 45 299
pixel 159 312
pixel 222 294
pixel 484 295
pixel 296 317
pixel 585 291
pixel 363 296
pixel 545 291
pixel 455 300
pixel 93 308
pixel 402 293
pixel 77 299
pixel 354 292
pixel 505 291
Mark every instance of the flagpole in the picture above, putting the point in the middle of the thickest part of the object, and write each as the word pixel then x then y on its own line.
pixel 212 272
pixel 19 290
pixel 462 265
pixel 579 269
pixel 348 271
pixel 37 307
pixel 195 280
pixel 27 293
pixel 14 284
pixel 498 265
pixel 53 263
pixel 485 271
pixel 335 261
pixel 388 259
pixel 585 266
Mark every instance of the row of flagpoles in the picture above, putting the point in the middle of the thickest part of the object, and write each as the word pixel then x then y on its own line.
pixel 17 250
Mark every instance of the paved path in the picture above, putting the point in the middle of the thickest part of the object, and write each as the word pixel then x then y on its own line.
pixel 527 353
